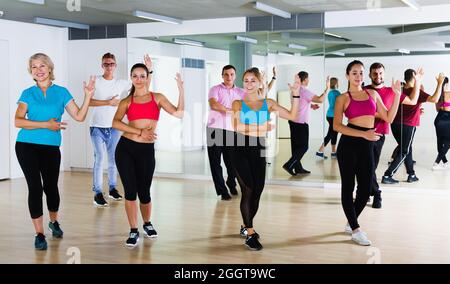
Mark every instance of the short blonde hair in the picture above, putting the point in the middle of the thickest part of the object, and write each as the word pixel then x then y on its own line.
pixel 46 60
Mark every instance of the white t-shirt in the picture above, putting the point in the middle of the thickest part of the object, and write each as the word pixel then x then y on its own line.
pixel 102 116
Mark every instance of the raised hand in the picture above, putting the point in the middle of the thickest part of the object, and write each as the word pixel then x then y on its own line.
pixel 114 101
pixel 148 62
pixel 264 83
pixel 55 125
pixel 328 84
pixel 440 78
pixel 418 76
pixel 274 71
pixel 396 86
pixel 180 83
pixel 295 88
pixel 90 88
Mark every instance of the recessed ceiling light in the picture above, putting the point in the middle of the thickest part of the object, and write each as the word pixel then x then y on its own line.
pixel 39 2
pixel 246 39
pixel 412 3
pixel 275 40
pixel 188 42
pixel 296 46
pixel 58 23
pixel 404 51
pixel 271 10
pixel 285 53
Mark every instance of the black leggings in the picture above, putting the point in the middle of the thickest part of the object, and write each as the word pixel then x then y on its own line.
pixel 136 164
pixel 442 124
pixel 404 135
pixel 356 158
pixel 299 142
pixel 331 135
pixel 249 161
pixel 36 161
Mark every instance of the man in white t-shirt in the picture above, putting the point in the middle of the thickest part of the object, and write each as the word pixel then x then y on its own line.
pixel 108 92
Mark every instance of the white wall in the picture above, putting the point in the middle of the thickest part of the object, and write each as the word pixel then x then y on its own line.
pixel 85 58
pixel 4 112
pixel 395 66
pixel 24 40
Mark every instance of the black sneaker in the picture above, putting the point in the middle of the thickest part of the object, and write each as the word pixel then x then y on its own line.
pixel 55 229
pixel 289 170
pixel 233 191
pixel 388 180
pixel 243 232
pixel 132 239
pixel 376 201
pixel 252 242
pixel 302 171
pixel 149 230
pixel 39 242
pixel 412 178
pixel 99 200
pixel 226 196
pixel 114 195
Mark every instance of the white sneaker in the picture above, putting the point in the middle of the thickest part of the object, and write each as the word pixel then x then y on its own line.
pixel 361 239
pixel 348 229
pixel 446 166
pixel 438 167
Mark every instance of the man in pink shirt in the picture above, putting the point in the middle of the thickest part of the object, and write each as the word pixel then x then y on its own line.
pixel 219 131
pixel 299 127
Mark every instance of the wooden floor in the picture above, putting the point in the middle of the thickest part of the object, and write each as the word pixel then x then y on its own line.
pixel 297 225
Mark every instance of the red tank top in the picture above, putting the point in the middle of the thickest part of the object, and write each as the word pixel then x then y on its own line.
pixel 148 110
pixel 360 108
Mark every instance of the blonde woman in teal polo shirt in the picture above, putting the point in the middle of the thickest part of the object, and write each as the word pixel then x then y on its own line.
pixel 38 114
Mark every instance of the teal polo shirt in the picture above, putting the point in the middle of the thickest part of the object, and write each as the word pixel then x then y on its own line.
pixel 43 108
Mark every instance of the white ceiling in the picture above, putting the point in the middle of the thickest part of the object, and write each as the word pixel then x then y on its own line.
pixel 99 12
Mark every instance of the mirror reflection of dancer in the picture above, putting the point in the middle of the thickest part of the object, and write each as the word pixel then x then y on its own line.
pixel 355 149
pixel 404 128
pixel 135 152
pixel 251 122
pixel 39 112
pixel 442 124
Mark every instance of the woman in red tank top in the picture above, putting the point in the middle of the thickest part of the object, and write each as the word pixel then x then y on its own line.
pixel 135 152
pixel 355 150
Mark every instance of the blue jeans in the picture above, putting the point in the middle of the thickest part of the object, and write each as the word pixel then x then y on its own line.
pixel 109 137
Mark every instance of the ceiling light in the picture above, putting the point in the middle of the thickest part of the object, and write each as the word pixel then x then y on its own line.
pixel 296 46
pixel 58 23
pixel 285 53
pixel 404 51
pixel 271 10
pixel 412 3
pixel 337 53
pixel 246 39
pixel 156 17
pixel 1 13
pixel 188 42
pixel 333 35
pixel 40 2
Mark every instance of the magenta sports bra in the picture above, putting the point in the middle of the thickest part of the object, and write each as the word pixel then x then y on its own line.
pixel 360 108
pixel 445 104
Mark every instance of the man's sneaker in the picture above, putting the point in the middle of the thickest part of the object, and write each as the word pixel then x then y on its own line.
pixel 55 229
pixel 99 200
pixel 149 230
pixel 252 242
pixel 361 239
pixel 388 180
pixel 321 155
pixel 39 242
pixel 348 229
pixel 133 239
pixel 243 232
pixel 376 201
pixel 114 195
pixel 333 155
pixel 437 167
pixel 302 171
pixel 412 178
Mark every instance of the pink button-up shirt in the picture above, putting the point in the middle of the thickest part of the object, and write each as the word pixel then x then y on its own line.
pixel 225 97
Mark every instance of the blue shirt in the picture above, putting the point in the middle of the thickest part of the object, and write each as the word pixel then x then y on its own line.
pixel 331 100
pixel 43 108
pixel 249 116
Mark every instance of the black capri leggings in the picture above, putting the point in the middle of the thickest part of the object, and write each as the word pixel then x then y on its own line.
pixel 39 161
pixel 136 164
pixel 355 157
pixel 249 161
pixel 442 124
pixel 331 135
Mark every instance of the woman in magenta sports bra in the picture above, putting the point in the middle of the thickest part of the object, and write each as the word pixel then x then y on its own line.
pixel 442 124
pixel 355 149
pixel 135 152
